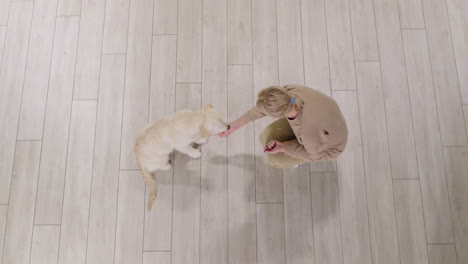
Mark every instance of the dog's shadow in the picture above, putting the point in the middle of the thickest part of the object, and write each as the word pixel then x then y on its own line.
pixel 187 182
pixel 240 161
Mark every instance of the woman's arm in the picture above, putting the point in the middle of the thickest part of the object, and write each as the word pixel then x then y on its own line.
pixel 233 126
pixel 253 114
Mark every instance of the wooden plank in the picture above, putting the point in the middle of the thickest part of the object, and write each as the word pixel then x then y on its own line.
pixel 19 228
pixel 410 220
pixel 3 31
pixel 116 27
pixel 428 145
pixel 352 187
pixel 157 257
pixel 189 42
pixel 340 45
pixel 444 73
pixel 395 88
pixel 442 254
pixel 69 8
pixel 11 81
pixel 377 164
pixel 88 58
pixel 457 10
pixel 270 234
pixel 75 213
pixel 158 222
pixel 326 217
pixel 214 184
pixel 57 123
pixel 137 78
pixel 4 10
pixel 186 190
pixel 264 41
pixel 241 170
pixel 299 236
pixel 130 218
pixel 456 164
pixel 465 110
pixel 165 17
pixel 36 78
pixel 315 44
pixel 364 32
pixel 45 244
pixel 239 30
pixel 103 204
pixel 269 180
pixel 323 166
pixel 290 55
pixel 3 218
pixel 163 83
pixel 411 14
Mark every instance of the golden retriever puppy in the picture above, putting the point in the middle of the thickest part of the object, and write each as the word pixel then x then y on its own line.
pixel 174 132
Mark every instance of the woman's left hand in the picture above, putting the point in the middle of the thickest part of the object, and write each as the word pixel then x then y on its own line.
pixel 274 147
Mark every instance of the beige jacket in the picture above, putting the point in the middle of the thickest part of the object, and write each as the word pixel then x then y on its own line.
pixel 320 127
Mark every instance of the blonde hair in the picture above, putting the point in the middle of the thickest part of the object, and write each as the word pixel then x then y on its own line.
pixel 276 100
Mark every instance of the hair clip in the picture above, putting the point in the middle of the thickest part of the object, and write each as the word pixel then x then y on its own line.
pixel 292 100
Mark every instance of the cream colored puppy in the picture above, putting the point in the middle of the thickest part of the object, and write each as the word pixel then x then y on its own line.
pixel 177 131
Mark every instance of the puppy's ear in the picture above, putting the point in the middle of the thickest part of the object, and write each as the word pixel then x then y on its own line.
pixel 204 132
pixel 208 106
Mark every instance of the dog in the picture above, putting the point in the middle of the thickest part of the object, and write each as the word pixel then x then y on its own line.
pixel 178 131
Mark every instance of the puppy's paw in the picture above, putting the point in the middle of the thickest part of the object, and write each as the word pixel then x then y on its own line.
pixel 195 155
pixel 166 167
pixel 202 141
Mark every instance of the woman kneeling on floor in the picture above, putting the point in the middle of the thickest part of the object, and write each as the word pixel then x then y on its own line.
pixel 310 125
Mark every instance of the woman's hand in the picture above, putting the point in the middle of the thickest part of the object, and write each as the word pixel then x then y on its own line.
pixel 274 147
pixel 233 127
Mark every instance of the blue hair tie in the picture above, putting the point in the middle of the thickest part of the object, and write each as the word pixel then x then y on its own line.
pixel 292 100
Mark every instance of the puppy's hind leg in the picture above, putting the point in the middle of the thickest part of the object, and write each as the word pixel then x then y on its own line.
pixel 166 167
pixel 189 150
pixel 165 164
pixel 201 140
pixel 159 163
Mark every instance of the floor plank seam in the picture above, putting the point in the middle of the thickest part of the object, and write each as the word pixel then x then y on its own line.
pixel 412 28
pixel 200 83
pixel 68 16
pixel 364 171
pixel 174 109
pixel 120 149
pixel 68 139
pixel 385 115
pixel 95 133
pixel 110 53
pixel 147 122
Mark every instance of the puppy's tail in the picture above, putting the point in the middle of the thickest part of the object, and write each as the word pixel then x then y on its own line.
pixel 151 182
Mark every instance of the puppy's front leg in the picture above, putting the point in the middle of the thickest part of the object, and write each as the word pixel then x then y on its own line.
pixel 194 153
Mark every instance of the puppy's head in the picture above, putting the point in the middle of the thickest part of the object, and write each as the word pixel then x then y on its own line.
pixel 214 123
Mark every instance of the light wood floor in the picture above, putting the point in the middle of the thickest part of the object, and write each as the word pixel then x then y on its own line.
pixel 79 78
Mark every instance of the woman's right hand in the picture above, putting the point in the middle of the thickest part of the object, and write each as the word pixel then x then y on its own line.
pixel 233 127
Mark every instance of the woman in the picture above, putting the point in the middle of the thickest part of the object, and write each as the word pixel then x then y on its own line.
pixel 310 128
